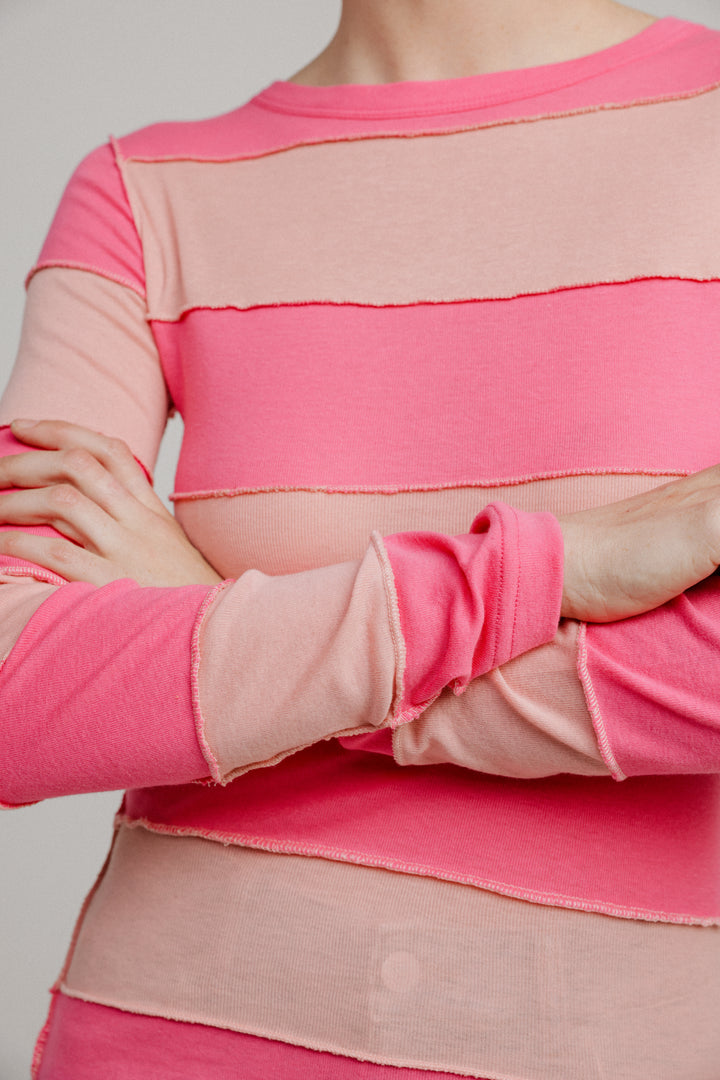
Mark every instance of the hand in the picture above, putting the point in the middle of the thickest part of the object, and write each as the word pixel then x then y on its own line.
pixel 93 491
pixel 632 556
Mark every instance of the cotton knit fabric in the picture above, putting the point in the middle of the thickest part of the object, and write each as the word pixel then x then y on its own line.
pixel 385 810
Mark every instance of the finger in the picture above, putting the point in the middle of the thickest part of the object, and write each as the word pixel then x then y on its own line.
pixel 62 506
pixel 114 454
pixel 61 556
pixel 77 466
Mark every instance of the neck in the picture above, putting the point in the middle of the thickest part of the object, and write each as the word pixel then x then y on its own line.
pixel 380 41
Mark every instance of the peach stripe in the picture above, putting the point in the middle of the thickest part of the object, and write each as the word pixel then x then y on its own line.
pixel 282 532
pixel 394 968
pixel 133 1046
pixel 323 685
pixel 520 221
pixel 100 368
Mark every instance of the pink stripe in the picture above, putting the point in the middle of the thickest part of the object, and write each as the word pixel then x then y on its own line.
pixel 656 686
pixel 361 807
pixel 99 363
pixel 527 719
pixel 93 227
pixel 133 1047
pixel 98 686
pixel 286 661
pixel 365 426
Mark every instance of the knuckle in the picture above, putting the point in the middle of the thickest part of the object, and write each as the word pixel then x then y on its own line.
pixel 10 541
pixel 78 460
pixel 63 495
pixel 118 449
pixel 61 551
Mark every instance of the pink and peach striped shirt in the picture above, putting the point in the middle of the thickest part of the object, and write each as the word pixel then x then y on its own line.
pixel 385 810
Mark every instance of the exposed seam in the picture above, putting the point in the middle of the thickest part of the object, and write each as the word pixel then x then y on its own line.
pixel 394 489
pixel 396 633
pixel 41 1041
pixel 594 707
pixel 361 858
pixel 69 264
pixel 48 577
pixel 207 752
pixel 120 164
pixel 240 770
pixel 454 130
pixel 179 1015
pixel 419 301
pixel 501 585
pixel 413 711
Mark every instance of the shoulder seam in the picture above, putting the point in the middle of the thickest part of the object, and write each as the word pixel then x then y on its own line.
pixel 120 161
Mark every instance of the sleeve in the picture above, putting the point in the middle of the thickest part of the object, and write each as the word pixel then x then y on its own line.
pixel 528 719
pixel 130 686
pixel 638 697
pixel 653 686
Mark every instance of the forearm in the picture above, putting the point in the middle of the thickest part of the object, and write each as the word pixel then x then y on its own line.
pixel 528 719
pixel 631 698
pixel 125 686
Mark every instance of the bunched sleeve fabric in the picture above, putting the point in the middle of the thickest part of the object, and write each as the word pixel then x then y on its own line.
pixel 638 697
pixel 527 718
pixel 120 686
pixel 653 685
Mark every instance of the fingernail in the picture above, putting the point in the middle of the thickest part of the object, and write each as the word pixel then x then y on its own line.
pixel 23 423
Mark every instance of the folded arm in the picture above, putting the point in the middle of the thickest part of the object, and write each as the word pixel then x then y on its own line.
pixel 635 696
pixel 130 684
pixel 124 684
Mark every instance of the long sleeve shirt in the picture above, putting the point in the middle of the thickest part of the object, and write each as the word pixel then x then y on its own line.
pixel 406 326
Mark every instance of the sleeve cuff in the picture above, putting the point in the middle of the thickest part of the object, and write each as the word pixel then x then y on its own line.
pixel 470 603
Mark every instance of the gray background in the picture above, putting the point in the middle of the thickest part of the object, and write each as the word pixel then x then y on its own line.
pixel 72 72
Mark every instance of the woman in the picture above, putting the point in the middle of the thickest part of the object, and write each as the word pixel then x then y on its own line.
pixel 413 267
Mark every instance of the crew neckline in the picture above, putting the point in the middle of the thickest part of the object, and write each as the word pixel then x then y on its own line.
pixel 463 93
